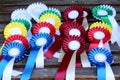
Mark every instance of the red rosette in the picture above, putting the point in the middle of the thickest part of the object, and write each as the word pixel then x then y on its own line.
pixel 44 25
pixel 89 13
pixel 68 39
pixel 73 8
pixel 73 28
pixel 92 31
pixel 18 38
pixel 67 57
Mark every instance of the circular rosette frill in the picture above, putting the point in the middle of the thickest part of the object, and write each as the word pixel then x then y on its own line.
pixel 44 27
pixel 73 43
pixel 98 56
pixel 14 49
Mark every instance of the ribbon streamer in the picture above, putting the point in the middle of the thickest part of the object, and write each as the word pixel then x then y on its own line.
pixel 69 49
pixel 102 58
pixel 37 42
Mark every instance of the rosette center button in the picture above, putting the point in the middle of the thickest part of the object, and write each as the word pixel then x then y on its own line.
pixel 102 12
pixel 74 45
pixel 99 35
pixel 73 14
pixel 100 57
pixel 14 52
pixel 41 42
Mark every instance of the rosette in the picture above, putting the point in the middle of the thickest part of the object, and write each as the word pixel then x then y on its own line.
pixel 51 18
pixel 44 27
pixel 79 47
pixel 38 42
pixel 11 52
pixel 15 28
pixel 73 13
pixel 102 58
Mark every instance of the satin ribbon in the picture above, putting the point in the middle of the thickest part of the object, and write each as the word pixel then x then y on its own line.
pixel 86 15
pixel 73 13
pixel 67 57
pixel 102 58
pixel 35 9
pixel 38 45
pixel 9 58
pixel 95 38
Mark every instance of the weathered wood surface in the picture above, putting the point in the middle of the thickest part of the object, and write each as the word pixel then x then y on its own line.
pixel 51 65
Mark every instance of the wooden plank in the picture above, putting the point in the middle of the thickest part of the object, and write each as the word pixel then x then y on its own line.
pixel 81 73
pixel 60 2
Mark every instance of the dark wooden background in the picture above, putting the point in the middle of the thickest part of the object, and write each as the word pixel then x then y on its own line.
pixel 51 65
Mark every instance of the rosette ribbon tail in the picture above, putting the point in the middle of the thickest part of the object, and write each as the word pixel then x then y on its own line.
pixel 54 47
pixel 101 72
pixel 115 37
pixel 93 45
pixel 63 67
pixel 3 64
pixel 29 65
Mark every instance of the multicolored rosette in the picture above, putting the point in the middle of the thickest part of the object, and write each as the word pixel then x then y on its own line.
pixel 73 28
pixel 11 52
pixel 87 14
pixel 102 59
pixel 50 17
pixel 44 27
pixel 26 22
pixel 39 43
pixel 98 36
pixel 77 49
pixel 18 38
pixel 107 14
pixel 35 9
pixel 73 13
pixel 15 28
pixel 20 14
pixel 101 24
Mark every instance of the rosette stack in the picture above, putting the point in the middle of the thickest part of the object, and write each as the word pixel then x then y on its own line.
pixel 16 44
pixel 107 14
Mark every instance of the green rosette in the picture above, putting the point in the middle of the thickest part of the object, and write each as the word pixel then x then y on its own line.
pixel 49 11
pixel 102 13
pixel 23 21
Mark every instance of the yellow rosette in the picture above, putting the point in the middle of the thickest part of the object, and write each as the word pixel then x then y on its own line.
pixel 51 18
pixel 101 24
pixel 15 28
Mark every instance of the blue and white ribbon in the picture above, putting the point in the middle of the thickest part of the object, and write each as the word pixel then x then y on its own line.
pixel 102 58
pixel 11 52
pixel 39 43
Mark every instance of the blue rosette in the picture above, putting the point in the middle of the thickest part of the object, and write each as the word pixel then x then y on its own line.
pixel 38 41
pixel 10 51
pixel 99 57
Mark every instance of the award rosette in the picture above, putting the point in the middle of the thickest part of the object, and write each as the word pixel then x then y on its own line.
pixel 26 22
pixel 20 13
pixel 102 59
pixel 19 39
pixel 35 9
pixel 97 36
pixel 74 28
pixel 67 45
pixel 107 14
pixel 44 27
pixel 52 18
pixel 15 28
pixel 39 43
pixel 73 13
pixel 11 52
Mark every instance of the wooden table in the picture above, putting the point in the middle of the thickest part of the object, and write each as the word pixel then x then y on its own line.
pixel 51 65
